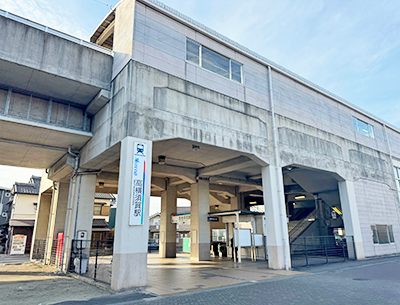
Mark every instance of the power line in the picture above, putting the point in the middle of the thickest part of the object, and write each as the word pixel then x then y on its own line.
pixel 108 5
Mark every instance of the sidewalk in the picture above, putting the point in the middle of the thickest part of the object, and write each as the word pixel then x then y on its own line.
pixel 5 258
pixel 25 283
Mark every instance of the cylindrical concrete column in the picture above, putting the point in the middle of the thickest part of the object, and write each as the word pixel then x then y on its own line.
pixel 276 228
pixel 199 225
pixel 351 219
pixel 129 266
pixel 168 229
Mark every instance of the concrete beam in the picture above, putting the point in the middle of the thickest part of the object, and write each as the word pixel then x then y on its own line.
pixel 182 188
pixel 237 181
pixel 107 190
pixel 62 168
pixel 158 183
pixel 176 181
pixel 220 199
pixel 186 174
pixel 98 102
pixel 107 176
pixel 226 166
pixel 228 190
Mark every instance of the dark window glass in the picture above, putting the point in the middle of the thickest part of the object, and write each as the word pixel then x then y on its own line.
pixel 375 235
pixel 382 234
pixel 390 231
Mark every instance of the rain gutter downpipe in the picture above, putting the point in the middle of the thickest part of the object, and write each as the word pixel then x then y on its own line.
pixel 74 173
pixel 283 218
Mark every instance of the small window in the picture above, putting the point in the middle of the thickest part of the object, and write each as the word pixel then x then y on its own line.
pixel 236 71
pixel 97 210
pixel 213 61
pixel 193 52
pixel 363 128
pixel 390 232
pixel 382 234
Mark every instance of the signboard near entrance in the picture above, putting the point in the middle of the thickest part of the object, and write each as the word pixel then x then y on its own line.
pixel 180 218
pixel 18 244
pixel 138 184
pixel 212 219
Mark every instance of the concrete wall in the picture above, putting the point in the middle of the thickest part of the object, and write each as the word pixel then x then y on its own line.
pixel 151 104
pixel 158 95
pixel 42 110
pixel 42 51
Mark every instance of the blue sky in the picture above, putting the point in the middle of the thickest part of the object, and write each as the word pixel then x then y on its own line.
pixel 351 48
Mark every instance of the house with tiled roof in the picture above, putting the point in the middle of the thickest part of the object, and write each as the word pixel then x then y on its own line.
pixel 101 215
pixel 4 216
pixel 22 206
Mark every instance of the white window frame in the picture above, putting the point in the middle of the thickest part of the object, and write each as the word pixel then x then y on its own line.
pixel 371 132
pixel 390 240
pixel 201 61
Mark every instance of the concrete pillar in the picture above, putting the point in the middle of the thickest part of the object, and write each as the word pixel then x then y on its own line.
pixel 167 229
pixel 129 266
pixel 235 203
pixel 50 226
pixel 41 221
pixel 62 203
pixel 199 226
pixel 56 219
pixel 80 214
pixel 275 228
pixel 351 219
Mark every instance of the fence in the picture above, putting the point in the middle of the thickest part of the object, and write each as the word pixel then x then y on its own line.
pixel 312 250
pixel 55 255
pixel 92 258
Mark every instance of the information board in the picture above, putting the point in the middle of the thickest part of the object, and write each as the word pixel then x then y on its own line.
pixel 245 238
pixel 138 184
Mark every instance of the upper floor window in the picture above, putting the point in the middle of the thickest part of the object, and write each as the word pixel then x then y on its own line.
pixel 397 176
pixel 382 234
pixel 363 128
pixel 97 210
pixel 213 61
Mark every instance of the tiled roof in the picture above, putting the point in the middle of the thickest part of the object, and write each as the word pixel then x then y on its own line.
pixel 104 196
pixel 31 188
pixel 100 223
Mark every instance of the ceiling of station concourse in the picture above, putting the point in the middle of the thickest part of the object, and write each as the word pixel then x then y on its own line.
pixel 184 161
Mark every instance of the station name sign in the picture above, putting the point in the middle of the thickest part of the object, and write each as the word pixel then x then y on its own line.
pixel 180 218
pixel 138 184
pixel 212 219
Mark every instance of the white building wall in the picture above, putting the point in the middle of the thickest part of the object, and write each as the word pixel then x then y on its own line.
pixel 377 204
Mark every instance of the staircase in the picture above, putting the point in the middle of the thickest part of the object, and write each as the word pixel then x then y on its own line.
pixel 296 228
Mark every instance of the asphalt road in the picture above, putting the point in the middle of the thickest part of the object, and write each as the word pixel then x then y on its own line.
pixel 374 281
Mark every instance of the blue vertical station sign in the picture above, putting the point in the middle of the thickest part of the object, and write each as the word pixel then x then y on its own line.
pixel 138 184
